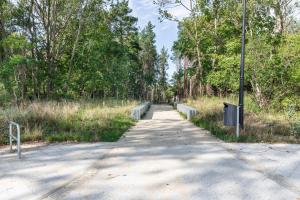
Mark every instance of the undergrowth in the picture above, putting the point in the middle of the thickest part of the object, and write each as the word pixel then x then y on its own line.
pixel 259 125
pixel 83 121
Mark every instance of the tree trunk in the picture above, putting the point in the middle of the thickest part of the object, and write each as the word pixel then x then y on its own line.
pixel 34 52
pixel 279 17
pixel 191 87
pixel 179 87
pixel 185 82
pixel 199 71
pixel 74 48
pixel 199 68
pixel 215 48
pixel 259 97
pixel 209 90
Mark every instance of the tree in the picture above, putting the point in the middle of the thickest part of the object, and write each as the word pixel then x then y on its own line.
pixel 192 26
pixel 162 68
pixel 148 57
pixel 218 24
pixel 71 49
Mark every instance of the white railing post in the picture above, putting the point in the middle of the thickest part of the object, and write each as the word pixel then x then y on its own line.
pixel 19 141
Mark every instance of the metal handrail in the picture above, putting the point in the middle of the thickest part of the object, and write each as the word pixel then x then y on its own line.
pixel 16 138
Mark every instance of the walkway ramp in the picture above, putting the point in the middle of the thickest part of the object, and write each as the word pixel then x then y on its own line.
pixel 166 157
pixel 162 157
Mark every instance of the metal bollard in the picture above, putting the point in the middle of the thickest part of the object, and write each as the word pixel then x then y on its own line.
pixel 17 138
pixel 238 122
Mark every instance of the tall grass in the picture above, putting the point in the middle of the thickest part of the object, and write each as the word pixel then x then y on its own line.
pixel 82 121
pixel 260 125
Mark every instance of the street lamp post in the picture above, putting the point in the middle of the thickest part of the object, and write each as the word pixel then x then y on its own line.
pixel 241 94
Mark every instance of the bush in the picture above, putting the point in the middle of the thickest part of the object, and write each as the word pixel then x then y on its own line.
pixel 295 128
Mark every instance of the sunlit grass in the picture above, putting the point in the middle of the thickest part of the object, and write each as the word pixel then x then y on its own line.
pixel 260 125
pixel 82 121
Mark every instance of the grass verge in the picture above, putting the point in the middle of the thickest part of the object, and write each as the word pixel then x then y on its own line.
pixel 260 126
pixel 84 121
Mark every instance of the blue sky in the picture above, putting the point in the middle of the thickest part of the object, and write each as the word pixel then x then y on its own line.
pixel 166 31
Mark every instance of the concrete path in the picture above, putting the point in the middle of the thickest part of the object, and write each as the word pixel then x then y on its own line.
pixel 162 157
pixel 44 169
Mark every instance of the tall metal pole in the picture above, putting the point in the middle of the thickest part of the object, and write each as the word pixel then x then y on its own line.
pixel 241 95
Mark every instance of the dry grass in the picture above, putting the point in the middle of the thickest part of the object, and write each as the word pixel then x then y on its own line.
pixel 84 121
pixel 260 126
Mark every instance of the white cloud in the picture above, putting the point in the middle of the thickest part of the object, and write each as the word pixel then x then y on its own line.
pixel 148 5
pixel 179 12
pixel 145 2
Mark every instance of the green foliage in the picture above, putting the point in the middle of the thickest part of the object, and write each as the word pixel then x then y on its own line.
pixel 148 55
pixel 90 49
pixel 226 76
pixel 294 118
pixel 211 35
pixel 54 50
pixel 162 83
pixel 295 128
pixel 163 67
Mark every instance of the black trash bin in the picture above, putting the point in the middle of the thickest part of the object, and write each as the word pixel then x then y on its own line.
pixel 230 114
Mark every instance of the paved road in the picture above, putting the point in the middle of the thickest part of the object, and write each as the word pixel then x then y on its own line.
pixel 162 157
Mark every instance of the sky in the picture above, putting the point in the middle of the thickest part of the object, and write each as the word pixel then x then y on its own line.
pixel 166 31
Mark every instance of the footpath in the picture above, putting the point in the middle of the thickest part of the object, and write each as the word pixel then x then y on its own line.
pixel 162 157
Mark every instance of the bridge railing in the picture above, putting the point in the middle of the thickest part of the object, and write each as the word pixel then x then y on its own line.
pixel 187 110
pixel 140 110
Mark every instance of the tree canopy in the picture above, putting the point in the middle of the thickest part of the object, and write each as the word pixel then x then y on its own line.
pixel 73 49
pixel 210 39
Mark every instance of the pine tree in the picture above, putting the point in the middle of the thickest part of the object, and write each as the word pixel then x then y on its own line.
pixel 162 69
pixel 148 56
